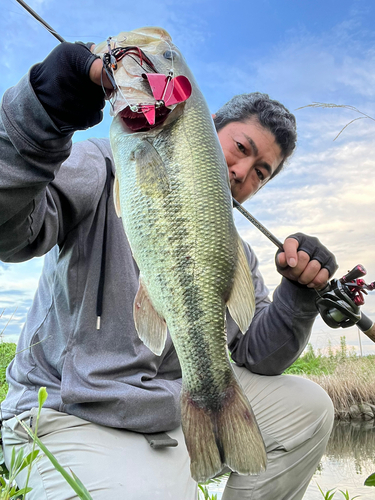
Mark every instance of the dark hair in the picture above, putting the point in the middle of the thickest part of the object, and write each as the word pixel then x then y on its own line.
pixel 271 114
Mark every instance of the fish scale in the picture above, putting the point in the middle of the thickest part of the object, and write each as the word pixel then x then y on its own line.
pixel 172 190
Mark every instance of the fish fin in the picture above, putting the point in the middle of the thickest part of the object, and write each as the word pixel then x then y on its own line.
pixel 239 434
pixel 241 303
pixel 151 173
pixel 151 327
pixel 205 460
pixel 229 436
pixel 116 196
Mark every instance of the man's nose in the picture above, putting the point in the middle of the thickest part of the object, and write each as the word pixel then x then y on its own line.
pixel 240 171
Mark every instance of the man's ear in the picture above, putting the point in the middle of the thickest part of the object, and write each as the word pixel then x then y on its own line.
pixel 213 116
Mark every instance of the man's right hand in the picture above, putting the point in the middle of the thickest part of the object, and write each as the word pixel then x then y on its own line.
pixel 97 75
pixel 306 261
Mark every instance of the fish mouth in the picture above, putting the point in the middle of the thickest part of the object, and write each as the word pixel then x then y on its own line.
pixel 137 121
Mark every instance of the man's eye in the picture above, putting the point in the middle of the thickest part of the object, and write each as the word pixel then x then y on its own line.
pixel 241 147
pixel 260 174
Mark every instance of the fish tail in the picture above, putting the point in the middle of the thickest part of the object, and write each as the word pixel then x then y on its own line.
pixel 229 436
pixel 239 434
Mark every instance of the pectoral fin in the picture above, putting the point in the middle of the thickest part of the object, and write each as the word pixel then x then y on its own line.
pixel 151 327
pixel 151 173
pixel 241 303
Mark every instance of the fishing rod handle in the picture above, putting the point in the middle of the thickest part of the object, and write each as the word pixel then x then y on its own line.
pixel 367 326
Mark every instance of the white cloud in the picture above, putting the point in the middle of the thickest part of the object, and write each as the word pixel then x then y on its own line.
pixel 303 67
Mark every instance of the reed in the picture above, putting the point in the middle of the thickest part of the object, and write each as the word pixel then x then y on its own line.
pixel 351 385
pixel 349 380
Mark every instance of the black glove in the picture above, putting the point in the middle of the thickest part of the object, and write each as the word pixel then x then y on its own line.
pixel 63 86
pixel 315 250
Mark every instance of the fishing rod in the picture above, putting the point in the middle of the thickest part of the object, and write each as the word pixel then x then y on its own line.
pixel 42 21
pixel 339 302
pixel 258 225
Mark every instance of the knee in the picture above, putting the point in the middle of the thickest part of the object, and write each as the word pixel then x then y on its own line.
pixel 312 400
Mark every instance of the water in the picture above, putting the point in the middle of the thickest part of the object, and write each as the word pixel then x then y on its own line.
pixel 348 461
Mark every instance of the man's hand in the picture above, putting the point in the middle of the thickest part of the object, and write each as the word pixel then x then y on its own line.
pixel 306 260
pixel 68 85
pixel 97 74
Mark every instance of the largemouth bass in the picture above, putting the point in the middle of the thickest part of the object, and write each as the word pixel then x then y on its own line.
pixel 172 192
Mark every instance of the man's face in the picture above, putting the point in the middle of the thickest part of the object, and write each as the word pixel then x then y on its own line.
pixel 252 155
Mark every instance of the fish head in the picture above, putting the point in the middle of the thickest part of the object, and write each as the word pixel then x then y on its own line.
pixel 151 76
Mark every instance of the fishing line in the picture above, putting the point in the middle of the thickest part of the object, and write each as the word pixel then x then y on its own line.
pixel 171 72
pixel 109 64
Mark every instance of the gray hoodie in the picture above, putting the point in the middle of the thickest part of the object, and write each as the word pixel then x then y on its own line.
pixel 54 202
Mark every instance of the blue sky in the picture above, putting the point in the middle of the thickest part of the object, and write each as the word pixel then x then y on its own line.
pixel 299 52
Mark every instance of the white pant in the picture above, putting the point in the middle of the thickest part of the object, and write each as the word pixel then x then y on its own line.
pixel 294 414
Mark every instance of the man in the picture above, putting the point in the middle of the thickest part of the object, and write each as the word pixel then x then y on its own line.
pixel 106 389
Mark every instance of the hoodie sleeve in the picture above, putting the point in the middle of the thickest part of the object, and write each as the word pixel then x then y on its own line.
pixel 40 200
pixel 280 329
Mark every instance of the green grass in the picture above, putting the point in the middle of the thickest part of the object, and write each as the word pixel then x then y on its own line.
pixel 315 363
pixel 7 353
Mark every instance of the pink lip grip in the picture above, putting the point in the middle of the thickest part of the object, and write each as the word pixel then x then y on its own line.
pixel 169 90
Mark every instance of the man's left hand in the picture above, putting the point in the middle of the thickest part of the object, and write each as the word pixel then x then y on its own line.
pixel 306 260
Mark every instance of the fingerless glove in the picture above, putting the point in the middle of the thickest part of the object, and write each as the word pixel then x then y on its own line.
pixel 316 250
pixel 63 86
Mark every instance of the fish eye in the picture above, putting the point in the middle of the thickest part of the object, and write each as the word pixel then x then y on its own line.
pixel 170 54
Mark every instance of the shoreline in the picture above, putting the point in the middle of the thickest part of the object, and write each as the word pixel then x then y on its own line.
pixel 351 388
pixel 348 379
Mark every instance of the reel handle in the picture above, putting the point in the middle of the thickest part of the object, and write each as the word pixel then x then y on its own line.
pixel 357 272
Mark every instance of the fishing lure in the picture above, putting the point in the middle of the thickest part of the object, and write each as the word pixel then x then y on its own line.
pixel 166 89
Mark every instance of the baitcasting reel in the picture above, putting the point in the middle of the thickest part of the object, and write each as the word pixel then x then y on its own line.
pixel 339 303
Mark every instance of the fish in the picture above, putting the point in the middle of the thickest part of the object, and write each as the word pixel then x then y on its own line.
pixel 172 191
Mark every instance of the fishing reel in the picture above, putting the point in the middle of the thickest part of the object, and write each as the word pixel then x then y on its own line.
pixel 339 303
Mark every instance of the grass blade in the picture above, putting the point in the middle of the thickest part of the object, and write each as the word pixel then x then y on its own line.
pixel 81 491
pixel 328 495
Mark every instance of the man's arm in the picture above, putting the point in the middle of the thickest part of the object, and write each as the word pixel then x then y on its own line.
pixel 280 329
pixel 35 209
